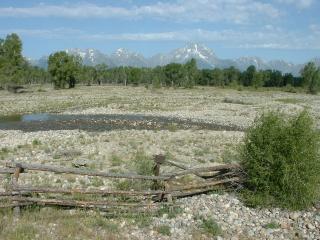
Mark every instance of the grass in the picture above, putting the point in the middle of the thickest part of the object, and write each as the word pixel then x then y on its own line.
pixel 97 182
pixel 272 225
pixel 54 223
pixel 36 142
pixel 163 230
pixel 289 100
pixel 143 164
pixel 115 160
pixel 169 211
pixel 210 227
pixel 4 153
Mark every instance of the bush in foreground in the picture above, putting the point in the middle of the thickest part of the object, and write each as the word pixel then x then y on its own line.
pixel 281 161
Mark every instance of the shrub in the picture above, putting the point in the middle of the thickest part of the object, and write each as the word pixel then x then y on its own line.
pixel 281 161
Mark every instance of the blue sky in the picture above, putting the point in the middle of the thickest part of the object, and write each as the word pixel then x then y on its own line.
pixel 275 29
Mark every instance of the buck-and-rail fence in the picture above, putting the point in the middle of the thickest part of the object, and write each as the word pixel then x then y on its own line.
pixel 162 192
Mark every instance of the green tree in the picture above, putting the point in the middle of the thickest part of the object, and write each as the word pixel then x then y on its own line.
pixel 288 79
pixel 257 79
pixel 12 63
pixel 190 73
pixel 173 74
pixel 218 77
pixel 63 69
pixel 102 70
pixel 248 76
pixel 311 77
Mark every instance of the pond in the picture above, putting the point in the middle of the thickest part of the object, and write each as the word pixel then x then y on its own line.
pixel 102 122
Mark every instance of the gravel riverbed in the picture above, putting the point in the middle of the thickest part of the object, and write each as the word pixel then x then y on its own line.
pixel 116 149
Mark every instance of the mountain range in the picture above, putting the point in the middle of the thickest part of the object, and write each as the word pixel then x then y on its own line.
pixel 205 57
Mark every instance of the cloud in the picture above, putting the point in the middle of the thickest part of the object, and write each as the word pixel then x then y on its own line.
pixel 235 11
pixel 315 28
pixel 301 4
pixel 276 38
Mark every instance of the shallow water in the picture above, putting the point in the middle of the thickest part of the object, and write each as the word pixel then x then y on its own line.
pixel 102 122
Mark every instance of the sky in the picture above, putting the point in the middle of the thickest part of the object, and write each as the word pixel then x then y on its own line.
pixel 274 29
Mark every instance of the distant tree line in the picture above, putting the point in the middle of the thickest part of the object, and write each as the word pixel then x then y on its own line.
pixel 66 71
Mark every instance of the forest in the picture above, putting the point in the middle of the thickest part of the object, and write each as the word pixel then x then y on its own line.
pixel 65 71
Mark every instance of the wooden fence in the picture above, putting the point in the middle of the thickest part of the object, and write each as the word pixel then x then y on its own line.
pixel 164 189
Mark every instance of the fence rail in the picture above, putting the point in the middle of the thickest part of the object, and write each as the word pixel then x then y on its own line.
pixel 164 190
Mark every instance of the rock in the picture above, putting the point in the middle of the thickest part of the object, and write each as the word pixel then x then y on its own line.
pixel 310 226
pixel 284 225
pixel 294 216
pixel 80 163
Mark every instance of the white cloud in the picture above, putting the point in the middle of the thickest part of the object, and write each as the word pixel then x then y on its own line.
pixel 301 4
pixel 315 28
pixel 236 11
pixel 268 39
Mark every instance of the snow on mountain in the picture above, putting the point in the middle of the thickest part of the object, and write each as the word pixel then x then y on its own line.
pixel 90 56
pixel 123 57
pixel 205 57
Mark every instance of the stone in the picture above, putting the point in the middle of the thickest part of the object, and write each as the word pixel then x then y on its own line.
pixel 80 163
pixel 284 225
pixel 310 226
pixel 294 216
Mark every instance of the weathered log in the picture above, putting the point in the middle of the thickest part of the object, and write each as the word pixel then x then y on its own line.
pixel 6 170
pixel 76 203
pixel 204 169
pixel 181 166
pixel 13 193
pixel 25 189
pixel 206 184
pixel 13 205
pixel 58 169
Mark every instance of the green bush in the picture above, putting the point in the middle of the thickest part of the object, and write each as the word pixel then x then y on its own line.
pixel 280 158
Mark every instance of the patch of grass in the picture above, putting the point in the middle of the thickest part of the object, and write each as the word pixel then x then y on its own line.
pixel 163 230
pixel 115 160
pixel 143 164
pixel 97 182
pixel 272 225
pixel 4 153
pixel 211 227
pixel 25 231
pixel 172 127
pixel 36 142
pixel 104 223
pixel 230 155
pixel 280 158
pixel 4 150
pixel 289 100
pixel 202 151
pixel 171 212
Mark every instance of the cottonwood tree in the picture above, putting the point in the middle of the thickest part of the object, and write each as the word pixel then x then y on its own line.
pixel 12 63
pixel 311 77
pixel 63 69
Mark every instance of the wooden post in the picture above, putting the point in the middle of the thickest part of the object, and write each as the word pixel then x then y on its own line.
pixel 15 178
pixel 158 160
